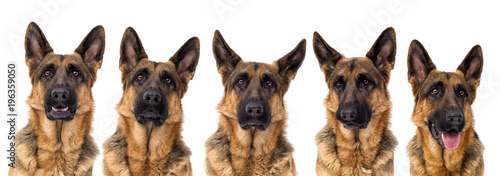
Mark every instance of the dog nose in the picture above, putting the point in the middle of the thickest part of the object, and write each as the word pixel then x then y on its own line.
pixel 152 97
pixel 349 113
pixel 254 109
pixel 60 94
pixel 455 117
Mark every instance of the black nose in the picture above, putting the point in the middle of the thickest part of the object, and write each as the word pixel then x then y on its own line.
pixel 349 113
pixel 152 97
pixel 455 117
pixel 254 109
pixel 59 94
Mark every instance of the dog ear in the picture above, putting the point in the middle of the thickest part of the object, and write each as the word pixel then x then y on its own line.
pixel 289 64
pixel 131 51
pixel 419 65
pixel 36 45
pixel 383 52
pixel 225 57
pixel 92 48
pixel 472 66
pixel 326 55
pixel 186 59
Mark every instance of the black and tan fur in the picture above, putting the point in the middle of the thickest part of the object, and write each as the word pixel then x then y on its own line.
pixel 59 142
pixel 148 137
pixel 356 139
pixel 443 104
pixel 250 139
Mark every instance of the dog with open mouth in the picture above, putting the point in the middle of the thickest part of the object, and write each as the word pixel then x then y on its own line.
pixel 250 139
pixel 445 143
pixel 57 140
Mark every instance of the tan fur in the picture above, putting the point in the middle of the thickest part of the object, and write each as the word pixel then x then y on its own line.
pixel 146 149
pixel 235 151
pixel 357 152
pixel 367 151
pixel 46 147
pixel 427 157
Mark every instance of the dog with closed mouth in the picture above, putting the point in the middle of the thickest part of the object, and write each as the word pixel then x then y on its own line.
pixel 250 139
pixel 148 137
pixel 356 139
pixel 445 142
pixel 57 140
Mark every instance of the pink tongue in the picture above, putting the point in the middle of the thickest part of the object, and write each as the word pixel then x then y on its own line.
pixel 451 139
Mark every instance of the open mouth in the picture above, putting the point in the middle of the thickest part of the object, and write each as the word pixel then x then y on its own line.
pixel 450 139
pixel 61 109
pixel 59 113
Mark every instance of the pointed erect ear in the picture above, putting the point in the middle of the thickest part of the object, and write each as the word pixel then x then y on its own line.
pixel 290 63
pixel 36 45
pixel 225 57
pixel 326 55
pixel 472 66
pixel 186 59
pixel 419 64
pixel 92 48
pixel 131 51
pixel 383 52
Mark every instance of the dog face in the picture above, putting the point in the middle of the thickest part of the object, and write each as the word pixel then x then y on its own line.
pixel 62 82
pixel 152 90
pixel 358 86
pixel 254 91
pixel 443 99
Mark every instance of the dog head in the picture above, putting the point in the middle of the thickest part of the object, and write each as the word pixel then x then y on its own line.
pixel 152 90
pixel 254 91
pixel 62 82
pixel 357 86
pixel 443 99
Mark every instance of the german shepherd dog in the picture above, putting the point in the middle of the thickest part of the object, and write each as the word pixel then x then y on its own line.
pixel 250 139
pixel 57 140
pixel 148 137
pixel 446 143
pixel 356 139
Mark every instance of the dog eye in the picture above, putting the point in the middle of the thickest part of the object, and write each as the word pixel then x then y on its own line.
pixel 140 77
pixel 241 82
pixel 461 93
pixel 75 73
pixel 366 82
pixel 339 84
pixel 47 73
pixel 435 91
pixel 168 80
pixel 269 83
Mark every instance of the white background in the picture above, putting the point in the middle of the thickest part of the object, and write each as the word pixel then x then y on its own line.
pixel 262 31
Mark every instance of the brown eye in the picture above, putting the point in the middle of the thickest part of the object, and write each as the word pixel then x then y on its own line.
pixel 269 83
pixel 339 83
pixel 240 82
pixel 435 91
pixel 75 73
pixel 462 93
pixel 140 77
pixel 168 80
pixel 47 73
pixel 366 82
